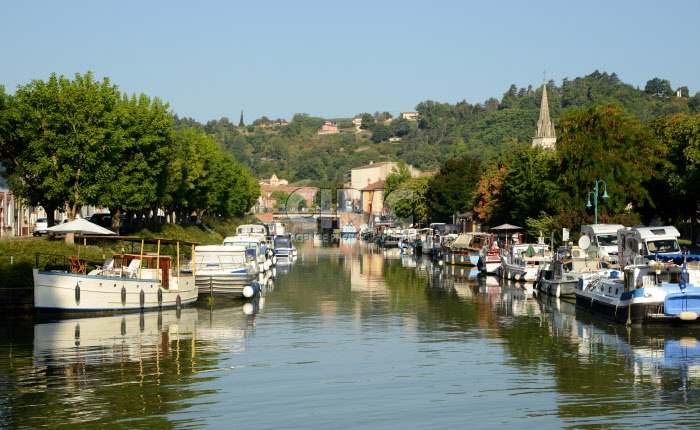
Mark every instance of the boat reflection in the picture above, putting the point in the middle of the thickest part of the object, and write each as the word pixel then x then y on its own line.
pixel 146 336
pixel 667 358
pixel 132 337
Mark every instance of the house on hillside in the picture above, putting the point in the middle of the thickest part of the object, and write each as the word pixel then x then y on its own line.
pixel 328 128
pixel 266 203
pixel 358 122
pixel 411 116
pixel 274 181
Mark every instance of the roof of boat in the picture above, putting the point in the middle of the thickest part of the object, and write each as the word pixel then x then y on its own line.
pixel 219 248
pixel 148 240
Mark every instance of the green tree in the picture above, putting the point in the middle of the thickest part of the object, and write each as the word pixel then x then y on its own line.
pixel 678 197
pixel 380 133
pixel 137 182
pixel 453 189
pixel 282 198
pixel 525 187
pixel 63 142
pixel 367 121
pixel 685 92
pixel 400 127
pixel 398 175
pixel 603 142
pixel 658 86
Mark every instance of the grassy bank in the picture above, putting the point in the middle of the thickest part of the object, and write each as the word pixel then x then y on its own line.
pixel 18 256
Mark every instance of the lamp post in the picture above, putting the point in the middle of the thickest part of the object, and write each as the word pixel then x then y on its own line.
pixel 595 197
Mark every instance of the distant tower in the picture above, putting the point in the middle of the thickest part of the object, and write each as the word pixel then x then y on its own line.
pixel 545 129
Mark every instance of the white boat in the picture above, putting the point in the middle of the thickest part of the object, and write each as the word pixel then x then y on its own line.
pixel 284 248
pixel 522 262
pixel 257 247
pixel 490 259
pixel 144 280
pixel 225 271
pixel 659 289
pixel 560 277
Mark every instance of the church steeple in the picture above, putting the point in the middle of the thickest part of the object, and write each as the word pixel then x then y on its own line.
pixel 545 128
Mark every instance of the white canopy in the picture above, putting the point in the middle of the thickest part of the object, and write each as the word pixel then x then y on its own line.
pixel 80 226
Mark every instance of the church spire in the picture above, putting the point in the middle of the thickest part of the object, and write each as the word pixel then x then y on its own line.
pixel 545 128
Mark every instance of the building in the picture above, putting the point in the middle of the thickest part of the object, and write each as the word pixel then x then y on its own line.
pixel 411 116
pixel 328 128
pixel 373 198
pixel 358 122
pixel 366 181
pixel 274 181
pixel 266 203
pixel 545 137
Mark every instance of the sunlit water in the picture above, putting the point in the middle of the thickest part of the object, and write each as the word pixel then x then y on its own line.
pixel 351 337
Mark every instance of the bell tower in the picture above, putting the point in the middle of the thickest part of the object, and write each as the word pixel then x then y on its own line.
pixel 545 137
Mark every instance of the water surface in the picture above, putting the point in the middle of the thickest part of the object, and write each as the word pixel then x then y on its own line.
pixel 351 336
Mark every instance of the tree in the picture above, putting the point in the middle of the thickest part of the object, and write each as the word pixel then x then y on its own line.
pixel 452 190
pixel 137 182
pixel 658 86
pixel 685 92
pixel 603 142
pixel 64 142
pixel 380 133
pixel 400 127
pixel 282 198
pixel 526 189
pixel 398 175
pixel 367 122
pixel 678 197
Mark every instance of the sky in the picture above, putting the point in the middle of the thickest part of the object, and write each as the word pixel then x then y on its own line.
pixel 331 59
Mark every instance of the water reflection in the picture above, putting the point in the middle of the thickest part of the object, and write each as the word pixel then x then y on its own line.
pixel 100 340
pixel 664 360
pixel 135 366
pixel 346 320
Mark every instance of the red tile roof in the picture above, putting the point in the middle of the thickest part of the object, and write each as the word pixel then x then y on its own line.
pixel 379 185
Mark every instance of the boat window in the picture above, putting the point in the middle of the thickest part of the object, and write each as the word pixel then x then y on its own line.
pixel 664 245
pixel 607 239
pixel 283 242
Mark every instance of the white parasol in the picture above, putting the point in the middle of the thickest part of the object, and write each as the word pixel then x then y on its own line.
pixel 80 226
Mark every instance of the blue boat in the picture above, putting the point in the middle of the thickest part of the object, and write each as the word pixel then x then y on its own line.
pixel 348 230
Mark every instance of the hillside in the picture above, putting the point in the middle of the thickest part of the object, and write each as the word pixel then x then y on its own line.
pixel 443 130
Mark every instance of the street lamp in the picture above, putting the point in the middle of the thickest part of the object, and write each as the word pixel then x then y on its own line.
pixel 595 197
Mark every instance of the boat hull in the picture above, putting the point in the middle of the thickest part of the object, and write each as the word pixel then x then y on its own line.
pixel 565 288
pixel 518 272
pixel 62 291
pixel 466 258
pixel 642 306
pixel 226 284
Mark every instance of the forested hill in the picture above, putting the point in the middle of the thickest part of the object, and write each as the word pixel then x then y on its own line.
pixel 443 131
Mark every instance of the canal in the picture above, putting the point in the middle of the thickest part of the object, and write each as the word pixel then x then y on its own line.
pixel 351 336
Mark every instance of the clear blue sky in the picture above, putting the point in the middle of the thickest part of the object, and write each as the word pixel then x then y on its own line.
pixel 212 59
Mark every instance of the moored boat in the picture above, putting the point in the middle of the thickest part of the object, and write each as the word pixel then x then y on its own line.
pixel 127 281
pixel 465 248
pixel 523 261
pixel 348 230
pixel 224 271
pixel 560 277
pixel 661 289
pixel 284 248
